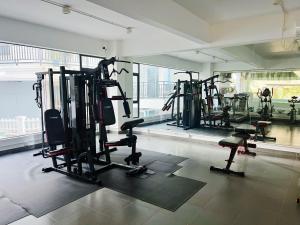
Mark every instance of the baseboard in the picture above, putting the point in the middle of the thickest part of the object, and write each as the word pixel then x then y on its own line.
pixel 20 149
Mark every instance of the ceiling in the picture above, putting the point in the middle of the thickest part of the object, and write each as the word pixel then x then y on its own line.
pixel 151 36
pixel 203 55
pixel 276 49
pixel 214 11
pixel 43 13
pixel 287 48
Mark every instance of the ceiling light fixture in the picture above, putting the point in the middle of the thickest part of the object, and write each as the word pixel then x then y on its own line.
pixel 129 30
pixel 213 56
pixel 67 9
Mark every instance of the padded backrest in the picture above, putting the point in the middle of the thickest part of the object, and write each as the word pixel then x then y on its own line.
pixel 131 124
pixel 107 112
pixel 54 127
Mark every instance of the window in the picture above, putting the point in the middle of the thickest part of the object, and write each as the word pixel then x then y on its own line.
pixel 18 65
pixel 136 90
pixel 283 84
pixel 89 61
pixel 155 86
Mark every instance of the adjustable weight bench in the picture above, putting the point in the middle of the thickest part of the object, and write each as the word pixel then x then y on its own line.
pixel 261 127
pixel 233 143
pixel 244 131
pixel 240 138
pixel 129 141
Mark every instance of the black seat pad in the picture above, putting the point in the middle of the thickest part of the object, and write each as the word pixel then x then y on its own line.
pixel 131 124
pixel 262 123
pixel 246 128
pixel 231 142
pixel 54 127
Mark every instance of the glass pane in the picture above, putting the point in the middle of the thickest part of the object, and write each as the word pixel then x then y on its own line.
pixel 283 85
pixel 135 86
pixel 90 62
pixel 18 65
pixel 156 86
pixel 135 68
pixel 135 110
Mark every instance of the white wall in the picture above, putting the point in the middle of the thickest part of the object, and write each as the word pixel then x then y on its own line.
pixel 287 63
pixel 271 64
pixel 19 32
pixel 232 66
pixel 170 62
pixel 207 71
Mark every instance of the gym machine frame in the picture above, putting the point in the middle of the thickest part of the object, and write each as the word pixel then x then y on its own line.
pixel 207 116
pixel 188 90
pixel 82 95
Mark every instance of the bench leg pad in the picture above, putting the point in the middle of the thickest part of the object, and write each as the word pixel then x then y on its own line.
pixel 227 171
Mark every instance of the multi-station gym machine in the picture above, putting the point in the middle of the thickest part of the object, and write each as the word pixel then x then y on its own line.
pixel 71 125
pixel 186 98
pixel 195 105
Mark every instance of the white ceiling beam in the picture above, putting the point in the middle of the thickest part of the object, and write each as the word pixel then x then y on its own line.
pixel 286 63
pixel 165 14
pixel 246 55
pixel 252 30
pixel 232 66
pixel 154 45
pixel 170 62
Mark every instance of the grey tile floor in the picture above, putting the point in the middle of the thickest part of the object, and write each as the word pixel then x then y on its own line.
pixel 285 133
pixel 266 196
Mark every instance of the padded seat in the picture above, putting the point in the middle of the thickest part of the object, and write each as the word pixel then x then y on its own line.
pixel 121 142
pixel 262 123
pixel 214 117
pixel 59 152
pixel 232 142
pixel 130 124
pixel 263 127
pixel 246 128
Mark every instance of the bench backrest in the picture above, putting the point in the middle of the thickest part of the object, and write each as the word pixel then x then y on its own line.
pixel 54 127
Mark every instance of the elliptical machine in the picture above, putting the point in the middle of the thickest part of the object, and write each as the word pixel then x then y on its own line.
pixel 293 111
pixel 266 106
pixel 265 112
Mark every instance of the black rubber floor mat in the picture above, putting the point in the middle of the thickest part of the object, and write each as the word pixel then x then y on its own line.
pixel 168 192
pixel 45 196
pixel 23 183
pixel 163 167
pixel 147 156
pixel 37 193
pixel 10 211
